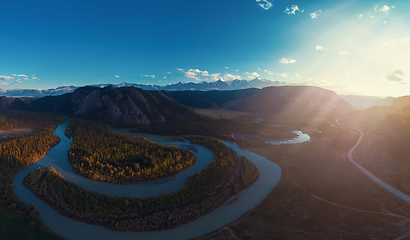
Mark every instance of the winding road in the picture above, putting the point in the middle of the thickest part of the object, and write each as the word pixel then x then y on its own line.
pixel 374 178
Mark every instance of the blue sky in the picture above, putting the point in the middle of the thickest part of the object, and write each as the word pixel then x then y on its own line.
pixel 351 47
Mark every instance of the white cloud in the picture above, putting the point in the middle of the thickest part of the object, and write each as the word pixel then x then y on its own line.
pixel 205 73
pixel 312 81
pixel 401 42
pixel 195 70
pixel 385 9
pixel 252 75
pixel 16 82
pixel 284 75
pixel 226 67
pixel 395 76
pixel 35 78
pixel 287 60
pixel 236 70
pixel 292 9
pixel 197 74
pixel 361 15
pixel 3 84
pixel 21 75
pixel 352 72
pixel 265 4
pixel 193 75
pixel 117 76
pixel 150 76
pixel 375 8
pixel 259 69
pixel 228 77
pixel 343 52
pixel 315 14
pixel 6 78
pixel 320 48
pixel 255 74
pixel 215 76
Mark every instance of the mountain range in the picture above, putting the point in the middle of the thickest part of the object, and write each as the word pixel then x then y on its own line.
pixel 358 102
pixel 132 105
pixel 181 86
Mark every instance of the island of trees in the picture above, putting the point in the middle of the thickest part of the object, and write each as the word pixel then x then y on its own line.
pixel 224 177
pixel 99 154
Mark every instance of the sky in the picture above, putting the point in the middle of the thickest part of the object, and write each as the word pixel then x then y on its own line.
pixel 350 47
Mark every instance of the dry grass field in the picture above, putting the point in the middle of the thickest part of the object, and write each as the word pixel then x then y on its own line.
pixel 321 196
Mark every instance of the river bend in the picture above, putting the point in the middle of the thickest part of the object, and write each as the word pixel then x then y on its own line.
pixel 270 174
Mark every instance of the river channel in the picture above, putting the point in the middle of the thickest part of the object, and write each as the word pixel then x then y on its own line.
pixel 223 215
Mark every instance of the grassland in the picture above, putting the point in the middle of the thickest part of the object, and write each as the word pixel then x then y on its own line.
pixel 385 150
pixel 320 196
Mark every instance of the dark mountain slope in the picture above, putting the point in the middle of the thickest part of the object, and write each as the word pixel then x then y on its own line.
pixel 125 105
pixel 209 99
pixel 291 100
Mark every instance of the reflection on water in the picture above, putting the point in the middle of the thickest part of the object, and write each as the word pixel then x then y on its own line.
pixel 223 215
pixel 302 137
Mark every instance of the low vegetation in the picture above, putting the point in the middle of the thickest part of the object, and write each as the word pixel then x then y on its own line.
pixel 203 192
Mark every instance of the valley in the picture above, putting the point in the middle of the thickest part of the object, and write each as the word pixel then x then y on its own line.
pixel 205 120
pixel 317 191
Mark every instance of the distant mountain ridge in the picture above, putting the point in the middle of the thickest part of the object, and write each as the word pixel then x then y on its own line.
pixel 181 86
pixel 292 101
pixel 362 102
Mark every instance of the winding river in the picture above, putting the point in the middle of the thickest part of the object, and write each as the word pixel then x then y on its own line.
pixel 270 174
